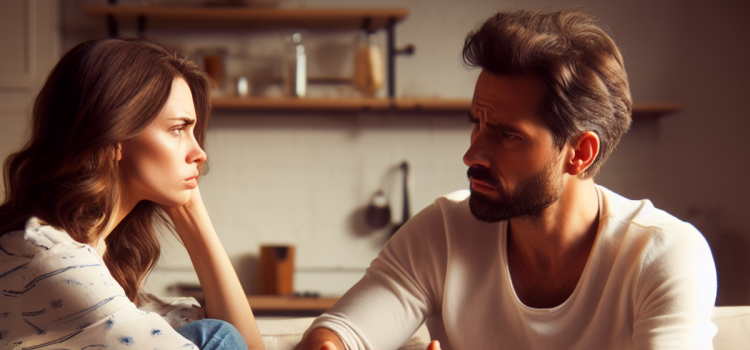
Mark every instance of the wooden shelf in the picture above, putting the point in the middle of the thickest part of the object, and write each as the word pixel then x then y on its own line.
pixel 640 111
pixel 339 104
pixel 272 303
pixel 253 18
pixel 299 104
pixel 654 110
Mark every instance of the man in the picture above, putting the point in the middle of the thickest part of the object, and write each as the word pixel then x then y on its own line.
pixel 537 256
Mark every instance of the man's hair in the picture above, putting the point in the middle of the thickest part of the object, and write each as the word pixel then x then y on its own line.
pixel 586 87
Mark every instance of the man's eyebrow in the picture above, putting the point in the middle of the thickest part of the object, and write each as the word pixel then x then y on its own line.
pixel 500 126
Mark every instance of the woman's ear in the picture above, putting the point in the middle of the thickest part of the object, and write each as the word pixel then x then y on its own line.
pixel 585 149
pixel 118 151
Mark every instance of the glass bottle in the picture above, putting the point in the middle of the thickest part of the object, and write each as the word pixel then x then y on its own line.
pixel 295 68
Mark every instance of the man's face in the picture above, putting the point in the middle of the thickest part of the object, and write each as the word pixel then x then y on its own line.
pixel 514 166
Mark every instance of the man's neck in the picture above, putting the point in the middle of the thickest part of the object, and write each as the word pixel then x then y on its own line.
pixel 562 228
pixel 547 254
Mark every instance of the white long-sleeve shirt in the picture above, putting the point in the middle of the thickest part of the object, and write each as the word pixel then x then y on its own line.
pixel 649 283
pixel 58 293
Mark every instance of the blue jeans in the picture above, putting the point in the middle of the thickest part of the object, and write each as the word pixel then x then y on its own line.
pixel 211 334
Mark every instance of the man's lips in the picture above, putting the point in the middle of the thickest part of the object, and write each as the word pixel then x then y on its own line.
pixel 481 186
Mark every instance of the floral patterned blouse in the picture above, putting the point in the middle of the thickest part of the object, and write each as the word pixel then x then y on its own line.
pixel 58 294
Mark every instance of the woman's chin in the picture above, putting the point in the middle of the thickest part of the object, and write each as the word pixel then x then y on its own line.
pixel 174 201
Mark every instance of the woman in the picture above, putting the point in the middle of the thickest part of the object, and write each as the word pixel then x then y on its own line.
pixel 116 143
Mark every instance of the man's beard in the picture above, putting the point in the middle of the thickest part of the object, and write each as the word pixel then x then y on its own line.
pixel 529 199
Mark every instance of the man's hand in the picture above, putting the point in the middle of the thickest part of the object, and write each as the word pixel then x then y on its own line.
pixel 328 346
pixel 321 339
pixel 325 339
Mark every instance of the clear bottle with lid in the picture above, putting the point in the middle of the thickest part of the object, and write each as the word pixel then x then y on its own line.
pixel 295 68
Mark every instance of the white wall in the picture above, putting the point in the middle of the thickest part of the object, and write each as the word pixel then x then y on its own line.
pixel 304 179
pixel 30 38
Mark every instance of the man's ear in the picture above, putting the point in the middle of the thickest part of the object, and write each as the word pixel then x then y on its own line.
pixel 584 151
pixel 118 151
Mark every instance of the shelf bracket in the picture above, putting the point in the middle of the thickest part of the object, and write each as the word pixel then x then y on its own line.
pixel 112 25
pixel 391 52
pixel 367 25
pixel 112 21
pixel 141 26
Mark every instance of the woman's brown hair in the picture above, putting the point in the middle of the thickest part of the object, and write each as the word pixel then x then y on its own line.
pixel 579 65
pixel 100 93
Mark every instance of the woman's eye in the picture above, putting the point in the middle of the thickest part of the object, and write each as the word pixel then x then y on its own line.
pixel 177 130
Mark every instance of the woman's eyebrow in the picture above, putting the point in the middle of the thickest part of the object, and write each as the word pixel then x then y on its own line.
pixel 188 120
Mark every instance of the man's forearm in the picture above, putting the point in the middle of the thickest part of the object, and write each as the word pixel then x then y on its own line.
pixel 319 336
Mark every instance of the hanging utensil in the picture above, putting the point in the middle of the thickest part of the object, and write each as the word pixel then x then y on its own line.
pixel 378 213
pixel 405 214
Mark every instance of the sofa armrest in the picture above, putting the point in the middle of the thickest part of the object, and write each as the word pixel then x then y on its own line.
pixel 734 327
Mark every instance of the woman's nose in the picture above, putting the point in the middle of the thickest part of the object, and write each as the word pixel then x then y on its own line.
pixel 196 154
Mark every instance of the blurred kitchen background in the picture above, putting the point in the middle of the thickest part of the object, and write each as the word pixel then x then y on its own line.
pixel 284 173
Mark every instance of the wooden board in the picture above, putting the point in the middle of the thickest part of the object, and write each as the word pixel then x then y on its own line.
pixel 300 104
pixel 269 303
pixel 640 111
pixel 177 17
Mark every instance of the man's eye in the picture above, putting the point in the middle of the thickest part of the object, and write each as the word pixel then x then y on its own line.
pixel 509 137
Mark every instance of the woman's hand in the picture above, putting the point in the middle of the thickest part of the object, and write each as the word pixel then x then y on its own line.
pixel 190 214
pixel 225 298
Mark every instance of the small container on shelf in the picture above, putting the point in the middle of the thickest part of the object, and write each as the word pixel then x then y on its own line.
pixel 276 270
pixel 294 70
pixel 214 64
pixel 369 69
pixel 243 87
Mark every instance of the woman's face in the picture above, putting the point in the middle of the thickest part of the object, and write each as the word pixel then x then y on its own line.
pixel 161 164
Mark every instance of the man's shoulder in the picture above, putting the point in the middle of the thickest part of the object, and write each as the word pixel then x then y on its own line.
pixel 456 196
pixel 652 230
pixel 450 218
pixel 453 210
pixel 641 213
pixel 450 205
pixel 453 200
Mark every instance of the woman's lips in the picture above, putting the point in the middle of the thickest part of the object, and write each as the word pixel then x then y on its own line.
pixel 192 182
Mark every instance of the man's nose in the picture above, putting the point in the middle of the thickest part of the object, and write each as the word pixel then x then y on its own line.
pixel 478 152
